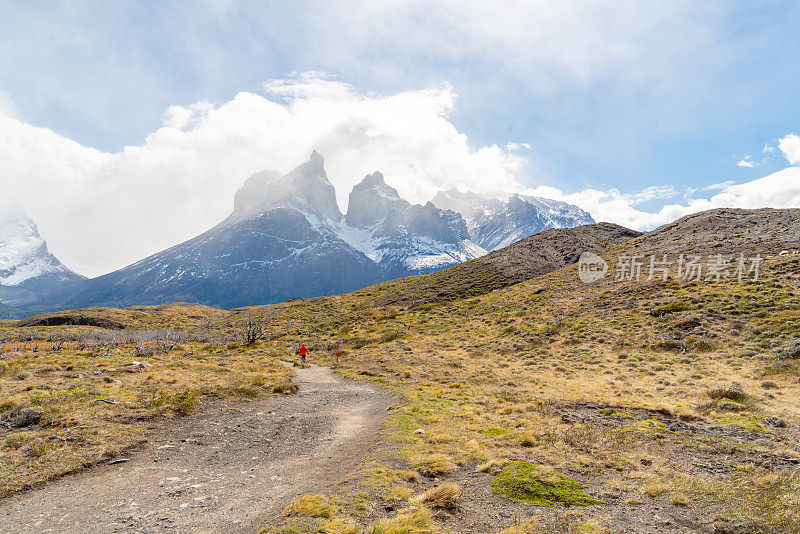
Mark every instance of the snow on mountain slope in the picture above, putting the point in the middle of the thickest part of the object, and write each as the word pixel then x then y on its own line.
pixel 401 237
pixel 286 238
pixel 23 252
pixel 494 223
pixel 281 242
pixel 27 268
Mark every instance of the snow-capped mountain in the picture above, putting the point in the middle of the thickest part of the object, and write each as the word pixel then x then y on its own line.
pixel 287 238
pixel 27 268
pixel 493 223
pixel 404 238
pixel 281 241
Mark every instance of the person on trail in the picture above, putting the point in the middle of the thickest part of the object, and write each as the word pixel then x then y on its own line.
pixel 303 352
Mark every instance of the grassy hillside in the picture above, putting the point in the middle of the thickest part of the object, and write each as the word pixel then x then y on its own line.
pixel 547 405
pixel 616 406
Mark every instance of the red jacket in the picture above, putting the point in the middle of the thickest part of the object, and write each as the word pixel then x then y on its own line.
pixel 303 351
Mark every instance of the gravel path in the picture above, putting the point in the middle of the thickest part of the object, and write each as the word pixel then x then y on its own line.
pixel 229 469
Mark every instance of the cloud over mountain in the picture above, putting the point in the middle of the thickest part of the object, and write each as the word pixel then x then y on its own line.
pixel 100 211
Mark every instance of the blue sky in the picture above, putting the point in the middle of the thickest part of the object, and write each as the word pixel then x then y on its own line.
pixel 621 96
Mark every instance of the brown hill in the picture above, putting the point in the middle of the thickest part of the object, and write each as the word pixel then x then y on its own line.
pixel 725 231
pixel 533 256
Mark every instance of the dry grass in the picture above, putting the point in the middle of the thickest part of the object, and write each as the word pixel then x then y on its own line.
pixel 443 496
pixel 418 521
pixel 72 396
pixel 536 348
pixel 582 379
pixel 310 506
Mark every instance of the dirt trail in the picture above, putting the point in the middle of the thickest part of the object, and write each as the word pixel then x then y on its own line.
pixel 229 469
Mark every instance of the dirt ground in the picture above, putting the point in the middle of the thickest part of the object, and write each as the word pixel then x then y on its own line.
pixel 232 468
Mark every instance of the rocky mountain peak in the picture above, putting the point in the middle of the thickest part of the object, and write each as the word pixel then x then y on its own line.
pixel 305 188
pixel 494 223
pixel 27 268
pixel 371 200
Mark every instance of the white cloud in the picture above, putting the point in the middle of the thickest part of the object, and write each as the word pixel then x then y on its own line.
pixel 7 106
pixel 778 190
pixel 719 186
pixel 748 162
pixel 790 146
pixel 101 211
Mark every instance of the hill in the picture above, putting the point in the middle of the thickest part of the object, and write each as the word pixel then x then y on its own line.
pixel 547 405
pixel 533 256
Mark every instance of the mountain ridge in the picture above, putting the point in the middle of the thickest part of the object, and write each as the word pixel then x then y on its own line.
pixel 286 238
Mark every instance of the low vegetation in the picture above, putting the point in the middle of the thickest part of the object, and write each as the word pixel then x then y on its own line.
pixel 565 407
pixel 73 395
pixel 533 484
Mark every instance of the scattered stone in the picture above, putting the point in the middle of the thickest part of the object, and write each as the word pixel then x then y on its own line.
pixel 419 431
pixel 132 366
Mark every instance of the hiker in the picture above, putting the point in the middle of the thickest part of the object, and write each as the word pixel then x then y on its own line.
pixel 303 352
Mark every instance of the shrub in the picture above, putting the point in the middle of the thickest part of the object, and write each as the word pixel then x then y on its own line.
pixel 285 387
pixel 337 525
pixel 183 402
pixel 399 493
pixel 734 392
pixel 655 489
pixel 389 336
pixel 533 484
pixel 493 466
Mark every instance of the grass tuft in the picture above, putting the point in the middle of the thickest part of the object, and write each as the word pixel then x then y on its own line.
pixel 417 521
pixel 315 505
pixel 444 496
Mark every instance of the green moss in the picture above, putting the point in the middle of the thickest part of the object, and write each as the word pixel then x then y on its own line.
pixel 748 422
pixel 533 484
pixel 616 412
pixel 497 433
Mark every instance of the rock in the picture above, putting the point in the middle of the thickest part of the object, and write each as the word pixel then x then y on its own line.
pixel 132 366
pixel 27 417
pixel 419 431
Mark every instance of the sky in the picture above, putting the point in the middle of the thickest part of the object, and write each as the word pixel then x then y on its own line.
pixel 126 127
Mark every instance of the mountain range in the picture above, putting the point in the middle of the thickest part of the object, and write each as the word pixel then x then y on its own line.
pixel 287 238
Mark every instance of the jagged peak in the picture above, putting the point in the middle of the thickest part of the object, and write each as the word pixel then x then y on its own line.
pixel 371 200
pixel 313 168
pixel 376 178
pixel 306 187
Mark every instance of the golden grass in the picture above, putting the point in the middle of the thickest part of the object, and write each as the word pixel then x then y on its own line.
pixel 91 390
pixel 315 505
pixel 583 379
pixel 443 496
pixel 489 377
pixel 418 521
